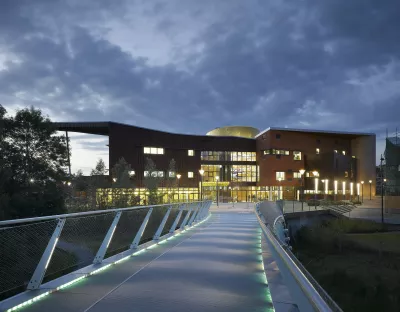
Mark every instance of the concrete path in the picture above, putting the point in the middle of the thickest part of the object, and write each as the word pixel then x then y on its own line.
pixel 216 267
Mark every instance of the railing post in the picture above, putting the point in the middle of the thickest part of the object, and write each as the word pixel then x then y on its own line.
pixel 173 227
pixel 162 224
pixel 195 212
pixel 139 234
pixel 201 211
pixel 41 268
pixel 185 220
pixel 107 239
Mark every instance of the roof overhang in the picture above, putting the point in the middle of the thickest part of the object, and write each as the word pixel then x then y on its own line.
pixel 99 128
pixel 320 132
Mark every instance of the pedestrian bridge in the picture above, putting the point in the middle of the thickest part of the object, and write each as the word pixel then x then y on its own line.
pixel 176 257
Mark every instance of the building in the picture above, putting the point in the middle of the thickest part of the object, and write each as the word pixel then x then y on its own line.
pixel 391 166
pixel 243 163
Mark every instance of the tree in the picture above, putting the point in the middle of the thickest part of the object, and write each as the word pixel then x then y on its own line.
pixel 122 190
pixel 151 182
pixel 98 186
pixel 171 180
pixel 36 159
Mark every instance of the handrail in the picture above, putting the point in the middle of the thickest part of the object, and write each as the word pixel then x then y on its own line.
pixel 303 278
pixel 312 295
pixel 86 213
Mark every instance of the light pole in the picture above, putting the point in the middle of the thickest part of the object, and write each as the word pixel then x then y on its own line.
pixel 302 171
pixel 382 187
pixel 344 190
pixel 201 171
pixel 217 179
pixel 362 191
pixel 178 176
pixel 358 192
pixel 370 189
pixel 336 188
pixel 351 191
pixel 316 190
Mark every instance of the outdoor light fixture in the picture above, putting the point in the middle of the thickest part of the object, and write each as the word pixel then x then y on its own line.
pixel 178 176
pixel 316 185
pixel 315 173
pixel 69 183
pixel 217 178
pixel 132 173
pixel 31 180
pixel 115 179
pixel 326 186
pixel 302 171
pixel 336 184
pixel 358 189
pixel 351 188
pixel 344 189
pixel 201 171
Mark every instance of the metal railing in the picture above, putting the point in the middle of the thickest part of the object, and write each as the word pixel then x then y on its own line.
pixel 306 291
pixel 37 250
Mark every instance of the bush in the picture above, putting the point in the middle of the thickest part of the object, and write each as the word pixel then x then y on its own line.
pixel 356 202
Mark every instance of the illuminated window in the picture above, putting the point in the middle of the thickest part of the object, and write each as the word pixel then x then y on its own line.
pixel 335 151
pixel 346 174
pixel 243 173
pixel 190 174
pixel 267 152
pixel 171 174
pixel 296 155
pixel 153 150
pixel 344 152
pixel 353 156
pixel 146 174
pixel 190 152
pixel 317 151
pixel 296 175
pixel 160 174
pixel 280 175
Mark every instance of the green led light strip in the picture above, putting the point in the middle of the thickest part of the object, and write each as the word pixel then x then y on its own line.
pixel 37 298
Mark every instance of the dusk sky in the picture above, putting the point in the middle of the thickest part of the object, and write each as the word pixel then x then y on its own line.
pixel 189 66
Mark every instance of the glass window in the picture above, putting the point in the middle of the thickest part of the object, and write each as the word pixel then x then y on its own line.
pixel 154 174
pixel 190 152
pixel 242 173
pixel 286 152
pixel 280 175
pixel 146 174
pixel 344 152
pixel 160 174
pixel 317 151
pixel 296 175
pixel 267 152
pixel 278 136
pixel 190 174
pixel 153 150
pixel 346 174
pixel 171 174
pixel 296 155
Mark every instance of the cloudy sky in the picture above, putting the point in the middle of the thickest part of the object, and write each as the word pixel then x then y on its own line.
pixel 190 66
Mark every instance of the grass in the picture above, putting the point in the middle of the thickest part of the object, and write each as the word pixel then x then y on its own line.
pixel 355 262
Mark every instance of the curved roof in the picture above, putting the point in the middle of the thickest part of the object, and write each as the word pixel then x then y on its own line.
pixel 235 131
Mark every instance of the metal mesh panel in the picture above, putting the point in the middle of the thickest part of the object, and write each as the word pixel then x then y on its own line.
pixel 171 219
pixel 21 248
pixel 154 222
pixel 79 241
pixel 126 229
pixel 184 213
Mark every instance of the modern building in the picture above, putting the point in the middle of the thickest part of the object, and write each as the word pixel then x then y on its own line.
pixel 242 163
pixel 391 166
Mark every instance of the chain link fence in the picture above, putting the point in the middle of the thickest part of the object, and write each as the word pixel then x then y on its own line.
pixel 24 242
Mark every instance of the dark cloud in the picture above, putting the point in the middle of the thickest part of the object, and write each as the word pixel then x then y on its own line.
pixel 313 64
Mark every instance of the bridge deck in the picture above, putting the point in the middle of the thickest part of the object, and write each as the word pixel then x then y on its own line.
pixel 215 267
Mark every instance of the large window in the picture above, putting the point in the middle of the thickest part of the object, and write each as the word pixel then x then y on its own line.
pixel 276 152
pixel 243 173
pixel 228 156
pixel 171 174
pixel 296 175
pixel 155 174
pixel 210 172
pixel 190 152
pixel 296 155
pixel 153 150
pixel 190 175
pixel 280 175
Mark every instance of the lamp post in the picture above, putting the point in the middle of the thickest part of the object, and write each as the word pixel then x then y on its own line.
pixel 370 189
pixel 302 171
pixel 201 171
pixel 351 191
pixel 316 190
pixel 358 192
pixel 217 179
pixel 326 187
pixel 362 191
pixel 382 187
pixel 344 190
pixel 178 176
pixel 336 188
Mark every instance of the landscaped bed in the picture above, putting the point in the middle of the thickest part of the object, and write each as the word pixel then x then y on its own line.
pixel 355 261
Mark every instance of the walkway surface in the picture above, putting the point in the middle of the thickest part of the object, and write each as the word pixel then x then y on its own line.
pixel 215 267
